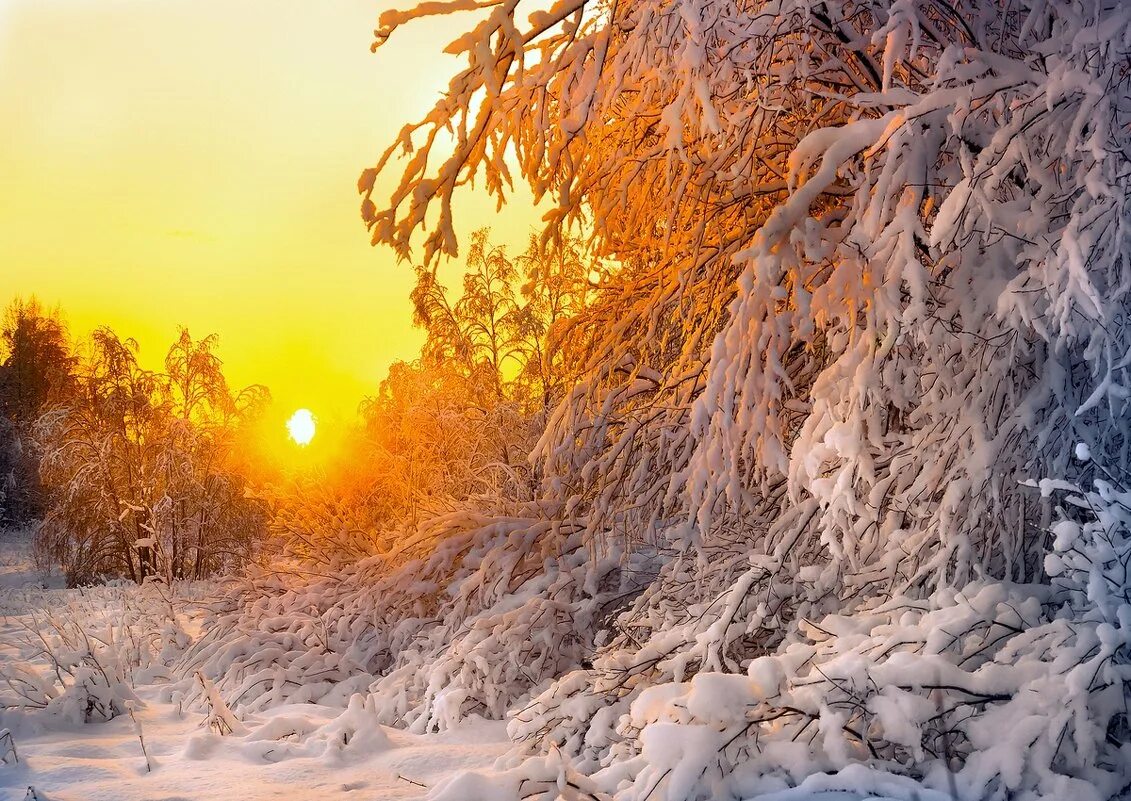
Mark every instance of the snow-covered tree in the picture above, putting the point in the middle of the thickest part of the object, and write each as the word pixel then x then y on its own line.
pixel 141 466
pixel 35 371
pixel 556 289
pixel 872 250
pixel 871 276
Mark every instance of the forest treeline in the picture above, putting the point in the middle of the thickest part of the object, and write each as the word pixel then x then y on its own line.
pixel 124 471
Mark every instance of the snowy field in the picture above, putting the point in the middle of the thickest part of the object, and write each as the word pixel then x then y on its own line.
pixel 162 748
pixel 98 703
pixel 103 762
pixel 292 751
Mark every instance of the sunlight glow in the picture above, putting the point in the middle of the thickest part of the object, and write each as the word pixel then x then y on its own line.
pixel 301 426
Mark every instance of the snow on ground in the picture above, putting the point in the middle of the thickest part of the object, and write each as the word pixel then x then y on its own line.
pixel 302 750
pixel 294 751
pixel 17 569
pixel 104 762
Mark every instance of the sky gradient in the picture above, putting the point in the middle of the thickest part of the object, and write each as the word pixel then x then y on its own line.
pixel 194 162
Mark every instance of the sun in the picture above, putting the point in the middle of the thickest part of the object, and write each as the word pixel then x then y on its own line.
pixel 301 426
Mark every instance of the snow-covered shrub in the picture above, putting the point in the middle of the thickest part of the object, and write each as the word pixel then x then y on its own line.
pixel 88 677
pixel 1004 684
pixel 144 469
pixel 517 622
pixel 727 675
pixel 81 658
pixel 996 690
pixel 1090 560
pixel 467 614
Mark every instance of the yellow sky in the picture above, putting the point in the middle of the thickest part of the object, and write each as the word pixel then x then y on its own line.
pixel 194 162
